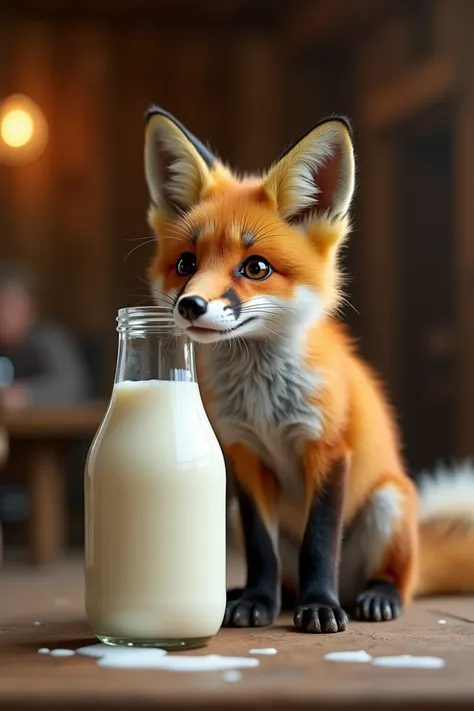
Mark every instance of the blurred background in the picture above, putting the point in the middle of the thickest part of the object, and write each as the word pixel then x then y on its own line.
pixel 248 76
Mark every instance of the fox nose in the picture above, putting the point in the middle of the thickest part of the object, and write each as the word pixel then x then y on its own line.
pixel 191 307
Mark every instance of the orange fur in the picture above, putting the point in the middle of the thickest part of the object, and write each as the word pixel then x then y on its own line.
pixel 254 476
pixel 318 459
pixel 446 567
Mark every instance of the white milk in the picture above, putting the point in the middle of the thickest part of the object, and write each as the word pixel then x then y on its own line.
pixel 155 517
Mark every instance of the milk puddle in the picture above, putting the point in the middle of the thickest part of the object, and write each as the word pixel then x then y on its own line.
pixel 407 661
pixel 403 661
pixel 139 658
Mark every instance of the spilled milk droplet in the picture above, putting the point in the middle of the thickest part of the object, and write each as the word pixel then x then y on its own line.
pixel 407 661
pixel 359 656
pixel 62 653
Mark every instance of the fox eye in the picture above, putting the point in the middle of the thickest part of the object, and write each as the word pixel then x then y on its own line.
pixel 256 268
pixel 186 264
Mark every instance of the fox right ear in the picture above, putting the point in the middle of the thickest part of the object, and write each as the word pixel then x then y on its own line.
pixel 317 175
pixel 178 167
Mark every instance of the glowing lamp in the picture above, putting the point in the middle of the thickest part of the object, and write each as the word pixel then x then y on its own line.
pixel 23 130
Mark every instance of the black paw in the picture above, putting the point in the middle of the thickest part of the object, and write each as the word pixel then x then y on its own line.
pixel 320 619
pixel 247 608
pixel 381 602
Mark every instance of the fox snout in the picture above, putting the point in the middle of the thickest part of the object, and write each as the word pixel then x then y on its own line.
pixel 209 320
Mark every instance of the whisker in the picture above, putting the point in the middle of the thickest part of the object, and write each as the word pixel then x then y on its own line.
pixel 256 226
pixel 274 312
pixel 175 238
pixel 143 301
pixel 271 232
pixel 166 297
pixel 142 238
pixel 139 294
pixel 244 343
pixel 279 335
pixel 348 303
pixel 277 306
pixel 141 244
pixel 270 307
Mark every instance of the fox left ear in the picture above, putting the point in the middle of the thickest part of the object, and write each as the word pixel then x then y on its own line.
pixel 178 167
pixel 316 175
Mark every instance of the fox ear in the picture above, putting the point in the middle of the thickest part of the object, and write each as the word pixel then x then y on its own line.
pixel 316 175
pixel 178 167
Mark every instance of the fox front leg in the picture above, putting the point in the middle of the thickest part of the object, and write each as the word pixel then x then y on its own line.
pixel 318 609
pixel 258 603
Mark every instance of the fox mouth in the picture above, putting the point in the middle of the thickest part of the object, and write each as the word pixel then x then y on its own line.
pixel 208 331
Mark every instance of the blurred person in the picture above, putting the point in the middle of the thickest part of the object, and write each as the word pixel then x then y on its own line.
pixel 47 366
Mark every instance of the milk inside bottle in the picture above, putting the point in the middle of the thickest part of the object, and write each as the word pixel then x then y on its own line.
pixel 155 497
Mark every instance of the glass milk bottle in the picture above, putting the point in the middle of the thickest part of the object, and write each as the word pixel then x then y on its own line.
pixel 155 497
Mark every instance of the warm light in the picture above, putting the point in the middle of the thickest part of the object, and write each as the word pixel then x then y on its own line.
pixel 16 128
pixel 23 130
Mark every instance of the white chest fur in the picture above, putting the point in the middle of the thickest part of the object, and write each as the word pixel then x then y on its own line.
pixel 260 399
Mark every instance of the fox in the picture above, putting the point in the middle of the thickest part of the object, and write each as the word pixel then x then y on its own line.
pixel 249 266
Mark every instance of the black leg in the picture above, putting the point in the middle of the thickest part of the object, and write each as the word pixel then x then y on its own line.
pixel 318 608
pixel 258 603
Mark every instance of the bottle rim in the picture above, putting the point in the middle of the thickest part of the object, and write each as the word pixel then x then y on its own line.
pixel 147 318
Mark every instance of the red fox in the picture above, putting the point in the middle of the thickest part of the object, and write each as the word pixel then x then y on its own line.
pixel 249 269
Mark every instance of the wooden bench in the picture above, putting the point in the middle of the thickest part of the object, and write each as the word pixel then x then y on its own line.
pixel 43 436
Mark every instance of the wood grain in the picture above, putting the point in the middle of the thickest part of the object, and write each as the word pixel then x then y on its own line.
pixel 55 422
pixel 47 495
pixel 298 677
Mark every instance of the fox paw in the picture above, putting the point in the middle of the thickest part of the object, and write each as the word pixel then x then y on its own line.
pixel 320 619
pixel 248 608
pixel 381 602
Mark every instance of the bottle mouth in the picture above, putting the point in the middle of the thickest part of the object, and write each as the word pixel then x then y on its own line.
pixel 149 319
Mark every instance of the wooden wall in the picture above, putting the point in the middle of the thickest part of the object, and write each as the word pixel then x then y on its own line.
pixel 403 71
pixel 414 101
pixel 77 215
pixel 394 66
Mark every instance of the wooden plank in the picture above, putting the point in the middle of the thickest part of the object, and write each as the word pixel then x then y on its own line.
pixel 31 193
pixel 376 208
pixel 55 422
pixel 141 80
pixel 198 86
pixel 377 231
pixel 313 26
pixel 384 54
pixel 464 226
pixel 47 496
pixel 122 9
pixel 7 243
pixel 258 101
pixel 297 677
pixel 82 173
pixel 445 27
pixel 430 82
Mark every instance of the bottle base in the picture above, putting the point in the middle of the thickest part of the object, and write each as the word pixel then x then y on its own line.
pixel 172 645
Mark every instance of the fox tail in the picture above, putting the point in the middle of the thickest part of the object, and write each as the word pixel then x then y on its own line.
pixel 446 498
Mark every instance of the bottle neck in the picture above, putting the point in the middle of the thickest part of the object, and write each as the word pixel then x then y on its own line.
pixel 151 348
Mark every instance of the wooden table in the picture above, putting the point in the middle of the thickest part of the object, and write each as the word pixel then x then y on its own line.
pixel 296 678
pixel 43 435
